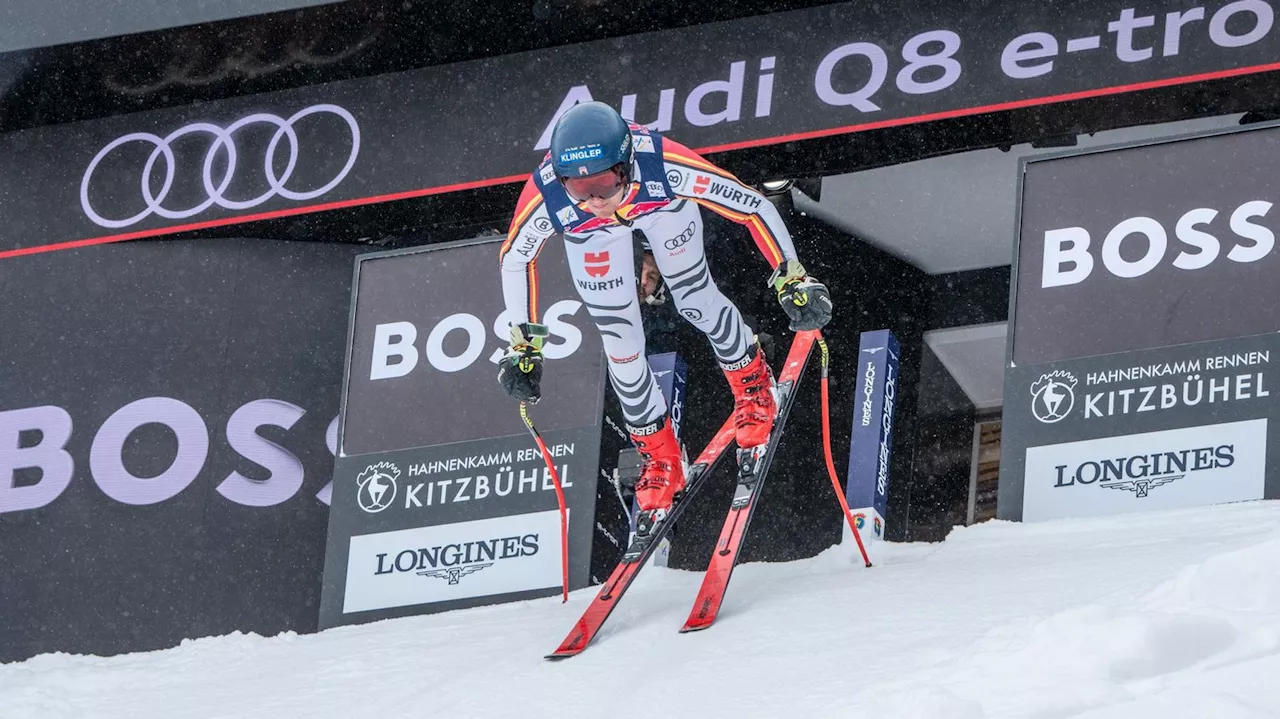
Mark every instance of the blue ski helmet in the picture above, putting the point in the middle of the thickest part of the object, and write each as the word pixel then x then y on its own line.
pixel 591 137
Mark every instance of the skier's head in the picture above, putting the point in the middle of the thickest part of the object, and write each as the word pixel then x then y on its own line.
pixel 591 153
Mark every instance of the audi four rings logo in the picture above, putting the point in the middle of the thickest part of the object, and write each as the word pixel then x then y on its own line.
pixel 681 239
pixel 215 187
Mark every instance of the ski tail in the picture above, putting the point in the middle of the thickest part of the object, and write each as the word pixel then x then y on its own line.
pixel 640 549
pixel 753 466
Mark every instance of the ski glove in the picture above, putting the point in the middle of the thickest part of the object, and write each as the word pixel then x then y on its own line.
pixel 805 300
pixel 520 369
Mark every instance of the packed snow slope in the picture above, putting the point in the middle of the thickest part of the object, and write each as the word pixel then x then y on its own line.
pixel 1167 616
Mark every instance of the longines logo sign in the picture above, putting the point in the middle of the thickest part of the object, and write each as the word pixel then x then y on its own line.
pixel 455 561
pixel 1187 467
pixel 449 562
pixel 1141 473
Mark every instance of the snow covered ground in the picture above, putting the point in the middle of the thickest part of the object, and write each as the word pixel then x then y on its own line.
pixel 1171 615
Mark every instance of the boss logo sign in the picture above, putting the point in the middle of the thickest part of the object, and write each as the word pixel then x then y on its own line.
pixel 107 463
pixel 396 353
pixel 1200 232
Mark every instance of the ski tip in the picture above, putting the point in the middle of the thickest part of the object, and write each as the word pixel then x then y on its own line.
pixel 566 650
pixel 694 627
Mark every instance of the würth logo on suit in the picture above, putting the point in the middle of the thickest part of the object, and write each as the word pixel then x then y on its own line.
pixel 596 263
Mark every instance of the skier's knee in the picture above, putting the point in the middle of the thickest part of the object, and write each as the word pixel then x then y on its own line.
pixel 704 310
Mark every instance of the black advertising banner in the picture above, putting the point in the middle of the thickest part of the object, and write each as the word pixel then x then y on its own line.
pixel 828 70
pixel 441 498
pixel 1148 246
pixel 1143 330
pixel 168 422
pixel 429 328
pixel 26 24
pixel 1165 428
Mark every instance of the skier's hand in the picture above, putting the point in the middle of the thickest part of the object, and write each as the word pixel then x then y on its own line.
pixel 805 300
pixel 520 369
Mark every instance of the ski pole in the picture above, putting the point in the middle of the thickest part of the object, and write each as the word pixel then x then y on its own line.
pixel 826 448
pixel 564 517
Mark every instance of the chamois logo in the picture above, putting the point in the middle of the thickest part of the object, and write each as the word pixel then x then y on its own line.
pixel 377 486
pixel 1053 396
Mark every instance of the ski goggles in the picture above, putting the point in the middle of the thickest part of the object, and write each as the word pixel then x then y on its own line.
pixel 602 185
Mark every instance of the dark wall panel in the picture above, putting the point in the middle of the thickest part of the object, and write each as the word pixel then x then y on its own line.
pixel 233 345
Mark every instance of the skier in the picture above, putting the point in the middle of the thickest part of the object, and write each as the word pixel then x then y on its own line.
pixel 602 178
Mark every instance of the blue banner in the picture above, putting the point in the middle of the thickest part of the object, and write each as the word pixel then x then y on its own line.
pixel 871 442
pixel 671 372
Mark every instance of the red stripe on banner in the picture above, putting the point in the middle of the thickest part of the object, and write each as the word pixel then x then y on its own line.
pixel 846 129
pixel 997 107
pixel 241 219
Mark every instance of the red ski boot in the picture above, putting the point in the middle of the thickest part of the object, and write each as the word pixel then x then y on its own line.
pixel 663 473
pixel 755 398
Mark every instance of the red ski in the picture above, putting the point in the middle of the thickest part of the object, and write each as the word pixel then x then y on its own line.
pixel 640 549
pixel 753 466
